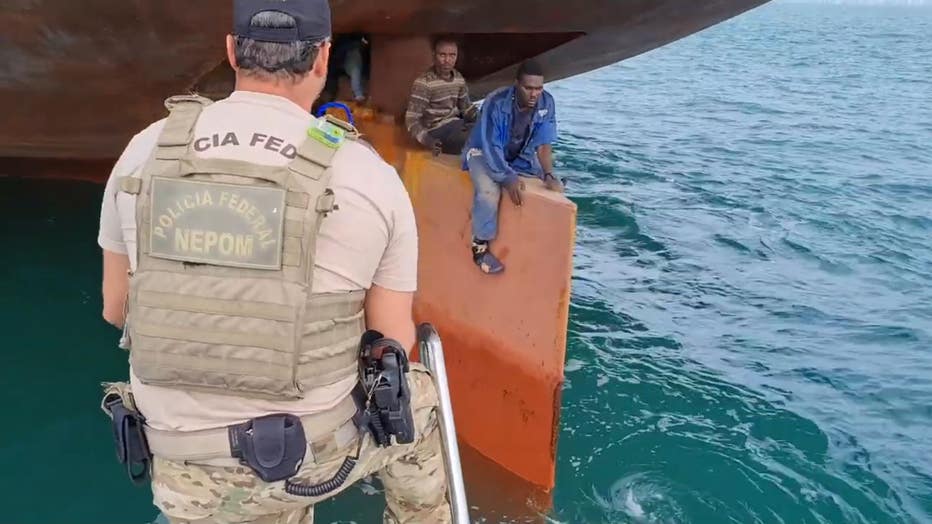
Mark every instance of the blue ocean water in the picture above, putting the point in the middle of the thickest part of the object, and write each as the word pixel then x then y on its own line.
pixel 751 323
pixel 751 315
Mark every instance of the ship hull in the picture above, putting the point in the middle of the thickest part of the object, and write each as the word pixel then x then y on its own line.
pixel 80 78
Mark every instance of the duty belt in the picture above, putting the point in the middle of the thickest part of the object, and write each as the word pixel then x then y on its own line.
pixel 328 434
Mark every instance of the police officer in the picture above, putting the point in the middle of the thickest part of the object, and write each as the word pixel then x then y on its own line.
pixel 247 246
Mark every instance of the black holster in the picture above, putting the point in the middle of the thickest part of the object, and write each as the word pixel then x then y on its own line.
pixel 273 445
pixel 382 394
pixel 132 449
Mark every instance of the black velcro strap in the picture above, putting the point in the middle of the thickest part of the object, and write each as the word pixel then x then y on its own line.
pixel 268 435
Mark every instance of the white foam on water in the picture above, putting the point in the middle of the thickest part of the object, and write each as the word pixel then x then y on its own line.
pixel 573 364
pixel 632 507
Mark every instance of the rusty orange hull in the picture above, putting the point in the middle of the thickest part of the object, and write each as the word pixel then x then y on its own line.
pixel 507 333
pixel 504 335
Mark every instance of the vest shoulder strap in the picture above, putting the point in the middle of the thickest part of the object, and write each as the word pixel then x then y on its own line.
pixel 315 155
pixel 130 184
pixel 173 141
pixel 178 132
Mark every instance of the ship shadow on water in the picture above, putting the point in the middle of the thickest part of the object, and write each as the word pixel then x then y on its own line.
pixel 496 495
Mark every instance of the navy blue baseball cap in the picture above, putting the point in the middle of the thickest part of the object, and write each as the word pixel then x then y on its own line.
pixel 312 17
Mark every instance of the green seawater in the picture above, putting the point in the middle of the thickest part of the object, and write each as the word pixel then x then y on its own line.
pixel 751 318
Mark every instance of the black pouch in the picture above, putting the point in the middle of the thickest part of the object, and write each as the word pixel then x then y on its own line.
pixel 132 449
pixel 382 394
pixel 393 398
pixel 273 445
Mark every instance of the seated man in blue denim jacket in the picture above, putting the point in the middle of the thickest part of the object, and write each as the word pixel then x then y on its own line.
pixel 512 139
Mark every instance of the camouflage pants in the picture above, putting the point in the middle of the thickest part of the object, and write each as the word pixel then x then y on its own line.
pixel 412 474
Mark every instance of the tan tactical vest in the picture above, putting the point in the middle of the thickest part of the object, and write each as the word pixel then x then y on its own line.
pixel 222 297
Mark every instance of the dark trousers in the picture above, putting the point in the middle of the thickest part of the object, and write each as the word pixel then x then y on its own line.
pixel 452 135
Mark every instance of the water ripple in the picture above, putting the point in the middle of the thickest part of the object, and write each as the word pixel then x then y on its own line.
pixel 751 307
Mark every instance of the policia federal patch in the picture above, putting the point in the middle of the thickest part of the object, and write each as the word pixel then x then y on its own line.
pixel 216 223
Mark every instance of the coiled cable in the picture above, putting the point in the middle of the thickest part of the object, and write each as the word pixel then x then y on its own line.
pixel 318 490
pixel 337 480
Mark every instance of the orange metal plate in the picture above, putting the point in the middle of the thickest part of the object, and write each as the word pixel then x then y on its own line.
pixel 505 335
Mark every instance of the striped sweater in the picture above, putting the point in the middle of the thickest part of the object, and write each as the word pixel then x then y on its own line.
pixel 434 101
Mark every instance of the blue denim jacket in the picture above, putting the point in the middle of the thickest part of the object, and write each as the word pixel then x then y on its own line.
pixel 493 129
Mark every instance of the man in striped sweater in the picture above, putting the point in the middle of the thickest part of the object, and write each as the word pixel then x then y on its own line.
pixel 440 115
